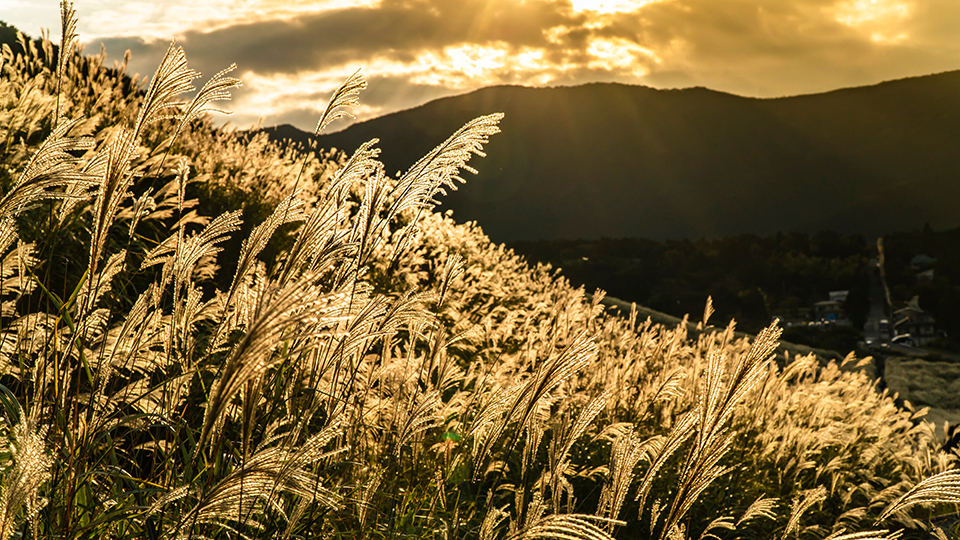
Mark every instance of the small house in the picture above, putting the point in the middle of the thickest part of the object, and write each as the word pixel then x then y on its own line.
pixel 831 312
pixel 922 262
pixel 839 296
pixel 912 320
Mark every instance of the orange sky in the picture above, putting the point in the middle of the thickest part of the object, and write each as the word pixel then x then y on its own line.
pixel 292 53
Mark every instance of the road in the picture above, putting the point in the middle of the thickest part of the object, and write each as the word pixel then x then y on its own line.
pixel 871 330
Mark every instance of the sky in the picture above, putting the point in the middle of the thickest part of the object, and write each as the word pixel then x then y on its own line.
pixel 291 54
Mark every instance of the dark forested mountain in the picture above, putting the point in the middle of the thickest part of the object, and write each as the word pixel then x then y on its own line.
pixel 617 161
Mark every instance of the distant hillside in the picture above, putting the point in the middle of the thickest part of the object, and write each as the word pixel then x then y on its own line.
pixel 615 160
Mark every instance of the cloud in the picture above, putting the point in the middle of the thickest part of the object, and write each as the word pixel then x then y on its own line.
pixel 163 19
pixel 770 47
pixel 292 54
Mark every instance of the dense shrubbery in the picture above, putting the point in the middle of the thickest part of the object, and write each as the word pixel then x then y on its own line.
pixel 383 372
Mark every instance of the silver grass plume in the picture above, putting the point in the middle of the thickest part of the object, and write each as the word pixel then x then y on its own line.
pixel 722 522
pixel 361 164
pixel 682 430
pixel 317 236
pixel 189 312
pixel 418 417
pixel 882 534
pixel 114 188
pixel 344 98
pixel 523 401
pixel 582 422
pixel 939 488
pixel 439 170
pixel 181 258
pixel 707 312
pixel 298 305
pixel 31 469
pixel 139 330
pixel 407 310
pixel 171 79
pixel 369 225
pixel 677 532
pixel 563 440
pixel 78 191
pixel 566 527
pixel 291 210
pixel 762 507
pixel 182 178
pixel 534 435
pixel 365 496
pixel 142 207
pixel 14 278
pixel 169 202
pixel 376 319
pixel 493 518
pixel 259 482
pixel 179 261
pixel 670 388
pixel 216 89
pixel 8 234
pixel 52 166
pixel 656 509
pixel 939 534
pixel 717 403
pixel 94 287
pixel 627 451
pixel 452 268
pixel 321 243
pixel 294 517
pixel 801 504
pixel 68 38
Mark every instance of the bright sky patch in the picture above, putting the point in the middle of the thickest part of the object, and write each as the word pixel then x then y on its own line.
pixel 860 12
pixel 610 6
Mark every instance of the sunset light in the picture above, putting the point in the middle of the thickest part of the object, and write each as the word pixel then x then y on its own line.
pixel 374 269
pixel 610 6
pixel 860 12
pixel 620 54
pixel 291 52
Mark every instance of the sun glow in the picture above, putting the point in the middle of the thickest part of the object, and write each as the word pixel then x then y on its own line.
pixel 860 12
pixel 470 65
pixel 881 20
pixel 463 66
pixel 610 6
pixel 620 55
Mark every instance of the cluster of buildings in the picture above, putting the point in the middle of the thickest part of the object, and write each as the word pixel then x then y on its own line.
pixel 831 311
pixel 911 324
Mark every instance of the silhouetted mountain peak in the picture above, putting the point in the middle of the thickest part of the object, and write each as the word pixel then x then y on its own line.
pixel 609 159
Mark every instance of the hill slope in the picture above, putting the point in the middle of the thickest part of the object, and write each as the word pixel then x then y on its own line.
pixel 616 160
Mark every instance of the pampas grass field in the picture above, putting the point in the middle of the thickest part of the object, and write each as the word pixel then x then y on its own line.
pixel 207 335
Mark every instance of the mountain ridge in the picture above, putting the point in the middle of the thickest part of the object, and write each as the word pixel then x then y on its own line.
pixel 608 159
